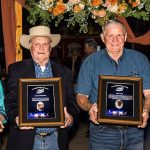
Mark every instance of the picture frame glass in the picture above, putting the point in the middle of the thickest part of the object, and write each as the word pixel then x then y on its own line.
pixel 41 101
pixel 120 99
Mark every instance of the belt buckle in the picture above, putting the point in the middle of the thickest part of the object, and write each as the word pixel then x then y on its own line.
pixel 43 134
pixel 123 127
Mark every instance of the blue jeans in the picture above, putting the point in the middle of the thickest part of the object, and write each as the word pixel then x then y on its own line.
pixel 103 137
pixel 49 142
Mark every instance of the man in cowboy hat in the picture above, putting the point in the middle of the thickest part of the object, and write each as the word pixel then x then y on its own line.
pixel 40 41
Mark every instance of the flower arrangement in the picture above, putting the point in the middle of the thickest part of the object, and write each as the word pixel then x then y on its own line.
pixel 78 12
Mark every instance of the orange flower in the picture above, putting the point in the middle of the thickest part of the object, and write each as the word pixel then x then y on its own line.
pixel 96 2
pixel 99 13
pixel 59 9
pixel 134 3
pixel 61 1
pixel 50 9
pixel 112 2
pixel 77 9
pixel 94 12
pixel 130 1
pixel 122 7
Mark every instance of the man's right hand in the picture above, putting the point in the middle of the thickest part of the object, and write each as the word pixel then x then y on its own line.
pixel 84 103
pixel 93 113
pixel 22 128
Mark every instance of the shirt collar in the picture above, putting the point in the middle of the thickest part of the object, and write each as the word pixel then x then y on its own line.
pixel 47 64
pixel 120 59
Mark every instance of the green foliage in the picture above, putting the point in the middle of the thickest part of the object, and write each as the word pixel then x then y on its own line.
pixel 147 6
pixel 42 15
pixel 79 19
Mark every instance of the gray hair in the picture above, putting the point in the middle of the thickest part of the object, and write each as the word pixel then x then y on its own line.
pixel 112 22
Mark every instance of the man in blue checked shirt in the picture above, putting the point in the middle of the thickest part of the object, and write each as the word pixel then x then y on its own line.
pixel 40 42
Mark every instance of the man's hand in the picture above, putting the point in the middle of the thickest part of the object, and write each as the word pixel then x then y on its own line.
pixel 22 128
pixel 1 123
pixel 93 113
pixel 145 116
pixel 1 126
pixel 146 108
pixel 68 119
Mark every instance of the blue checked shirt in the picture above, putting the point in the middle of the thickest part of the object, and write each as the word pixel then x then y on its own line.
pixel 44 74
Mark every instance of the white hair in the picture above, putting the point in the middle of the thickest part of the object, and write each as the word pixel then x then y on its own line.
pixel 112 22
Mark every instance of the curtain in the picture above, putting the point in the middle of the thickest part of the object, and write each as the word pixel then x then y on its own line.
pixel 144 39
pixel 9 30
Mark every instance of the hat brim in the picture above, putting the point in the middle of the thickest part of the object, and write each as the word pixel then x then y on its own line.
pixel 25 39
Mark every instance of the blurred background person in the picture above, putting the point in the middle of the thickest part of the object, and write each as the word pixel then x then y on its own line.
pixel 90 46
pixel 74 59
pixel 57 54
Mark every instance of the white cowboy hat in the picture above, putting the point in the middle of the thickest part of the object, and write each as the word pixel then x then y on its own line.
pixel 39 31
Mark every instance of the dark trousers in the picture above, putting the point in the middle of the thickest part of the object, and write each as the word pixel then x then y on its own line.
pixel 147 136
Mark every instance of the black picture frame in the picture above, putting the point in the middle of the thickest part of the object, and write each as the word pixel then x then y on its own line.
pixel 41 102
pixel 120 100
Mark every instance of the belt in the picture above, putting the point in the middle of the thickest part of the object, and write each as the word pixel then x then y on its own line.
pixel 43 134
pixel 117 127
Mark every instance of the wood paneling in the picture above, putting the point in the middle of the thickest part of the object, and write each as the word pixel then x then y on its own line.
pixel 18 11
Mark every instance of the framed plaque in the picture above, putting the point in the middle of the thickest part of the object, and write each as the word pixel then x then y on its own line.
pixel 41 102
pixel 120 100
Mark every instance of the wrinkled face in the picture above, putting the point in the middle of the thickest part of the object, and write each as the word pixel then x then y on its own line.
pixel 114 38
pixel 89 49
pixel 40 49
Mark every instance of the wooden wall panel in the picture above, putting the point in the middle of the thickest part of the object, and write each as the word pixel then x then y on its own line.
pixel 18 11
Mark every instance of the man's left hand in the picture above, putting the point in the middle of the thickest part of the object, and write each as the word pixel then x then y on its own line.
pixel 1 123
pixel 146 108
pixel 68 119
pixel 145 116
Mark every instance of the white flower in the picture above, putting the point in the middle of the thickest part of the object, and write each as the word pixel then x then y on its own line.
pixel 141 6
pixel 94 17
pixel 81 5
pixel 68 6
pixel 74 1
pixel 44 4
pixel 47 2
pixel 113 8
